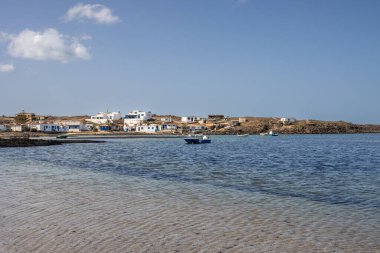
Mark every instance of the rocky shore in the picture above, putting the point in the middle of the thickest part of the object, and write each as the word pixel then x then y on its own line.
pixel 26 142
pixel 261 125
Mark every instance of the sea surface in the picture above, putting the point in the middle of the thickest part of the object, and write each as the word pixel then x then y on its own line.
pixel 291 193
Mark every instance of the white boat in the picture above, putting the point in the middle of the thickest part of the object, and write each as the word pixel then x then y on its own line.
pixel 197 139
pixel 242 135
pixel 270 133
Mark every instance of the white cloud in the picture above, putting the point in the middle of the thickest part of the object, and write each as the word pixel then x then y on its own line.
pixel 6 68
pixel 46 45
pixel 95 12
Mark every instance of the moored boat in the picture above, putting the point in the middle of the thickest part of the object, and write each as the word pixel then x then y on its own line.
pixel 62 136
pixel 270 133
pixel 197 139
pixel 242 135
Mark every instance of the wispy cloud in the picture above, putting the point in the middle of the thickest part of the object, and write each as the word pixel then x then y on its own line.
pixel 4 36
pixel 6 68
pixel 46 45
pixel 97 13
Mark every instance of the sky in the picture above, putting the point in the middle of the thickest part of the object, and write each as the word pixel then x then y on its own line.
pixel 273 58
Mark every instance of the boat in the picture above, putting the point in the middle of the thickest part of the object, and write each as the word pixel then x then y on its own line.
pixel 62 136
pixel 197 139
pixel 242 135
pixel 270 133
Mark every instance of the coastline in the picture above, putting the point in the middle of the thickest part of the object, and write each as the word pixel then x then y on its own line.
pixel 26 142
pixel 123 135
pixel 179 127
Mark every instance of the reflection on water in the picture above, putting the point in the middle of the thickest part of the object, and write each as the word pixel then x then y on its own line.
pixel 256 194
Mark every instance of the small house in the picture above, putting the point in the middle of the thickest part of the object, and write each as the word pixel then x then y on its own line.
pixel 19 128
pixel 167 120
pixel 75 126
pixel 242 119
pixel 169 127
pixel 48 128
pixel 136 117
pixel 190 119
pixel 196 128
pixel 105 117
pixel 151 128
pixel 216 117
pixel 27 116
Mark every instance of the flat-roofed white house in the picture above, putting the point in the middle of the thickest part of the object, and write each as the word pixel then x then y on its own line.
pixel 169 127
pixel 140 115
pixel 19 128
pixel 75 126
pixel 63 126
pixel 148 128
pixel 167 119
pixel 190 119
pixel 135 118
pixel 105 117
pixel 46 127
pixel 242 119
pixel 197 128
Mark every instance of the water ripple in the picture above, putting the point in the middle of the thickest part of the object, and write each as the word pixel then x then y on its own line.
pixel 339 169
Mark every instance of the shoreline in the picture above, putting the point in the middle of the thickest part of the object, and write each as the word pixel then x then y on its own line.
pixel 121 135
pixel 51 139
pixel 25 142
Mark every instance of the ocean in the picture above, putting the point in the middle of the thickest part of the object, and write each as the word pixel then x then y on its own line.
pixel 291 193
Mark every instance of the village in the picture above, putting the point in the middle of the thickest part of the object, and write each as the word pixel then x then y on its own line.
pixel 139 122
pixel 147 123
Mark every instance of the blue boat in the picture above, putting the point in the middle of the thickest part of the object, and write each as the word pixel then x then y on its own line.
pixel 194 139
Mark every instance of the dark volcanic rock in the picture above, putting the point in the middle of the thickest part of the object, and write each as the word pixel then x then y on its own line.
pixel 24 142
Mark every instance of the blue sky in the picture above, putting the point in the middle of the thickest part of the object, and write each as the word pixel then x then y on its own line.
pixel 305 59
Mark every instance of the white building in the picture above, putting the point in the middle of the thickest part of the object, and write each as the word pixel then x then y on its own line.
pixel 242 119
pixel 48 127
pixel 139 115
pixel 19 128
pixel 287 120
pixel 169 127
pixel 202 121
pixel 135 118
pixel 197 128
pixel 64 126
pixel 190 119
pixel 75 126
pixel 152 128
pixel 3 128
pixel 105 117
pixel 167 120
